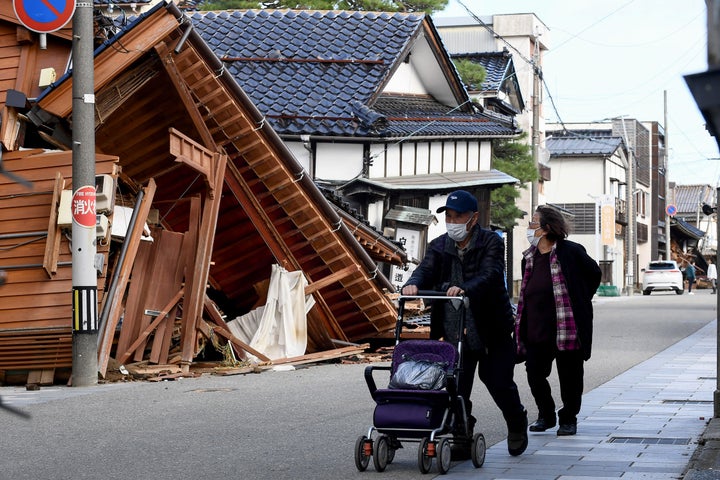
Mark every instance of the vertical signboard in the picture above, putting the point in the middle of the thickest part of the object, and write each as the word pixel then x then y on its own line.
pixel 410 239
pixel 607 220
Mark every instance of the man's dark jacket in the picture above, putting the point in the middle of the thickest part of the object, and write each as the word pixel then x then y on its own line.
pixel 582 278
pixel 483 284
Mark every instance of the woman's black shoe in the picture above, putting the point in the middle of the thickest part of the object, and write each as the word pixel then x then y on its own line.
pixel 541 425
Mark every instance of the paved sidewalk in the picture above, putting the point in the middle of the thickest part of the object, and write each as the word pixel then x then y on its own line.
pixel 643 424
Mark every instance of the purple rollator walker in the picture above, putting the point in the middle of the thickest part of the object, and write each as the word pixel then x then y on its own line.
pixel 430 412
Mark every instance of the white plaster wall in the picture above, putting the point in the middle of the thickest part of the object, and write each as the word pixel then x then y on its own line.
pixel 574 180
pixel 485 155
pixel 423 158
pixel 338 161
pixel 301 154
pixel 406 81
pixel 375 214
pixel 438 229
pixel 436 165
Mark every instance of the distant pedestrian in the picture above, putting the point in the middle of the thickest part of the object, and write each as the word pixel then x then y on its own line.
pixel 712 275
pixel 690 276
pixel 554 317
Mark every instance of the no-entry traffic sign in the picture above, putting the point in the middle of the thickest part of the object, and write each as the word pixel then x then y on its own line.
pixel 44 16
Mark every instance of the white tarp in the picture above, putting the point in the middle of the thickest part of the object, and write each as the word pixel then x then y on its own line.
pixel 279 328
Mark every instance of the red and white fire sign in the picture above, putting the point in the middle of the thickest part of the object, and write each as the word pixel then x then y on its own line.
pixel 83 206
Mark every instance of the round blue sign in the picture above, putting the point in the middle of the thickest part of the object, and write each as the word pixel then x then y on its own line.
pixel 671 210
pixel 44 16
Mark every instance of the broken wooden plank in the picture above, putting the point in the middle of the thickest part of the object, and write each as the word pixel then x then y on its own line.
pixel 148 330
pixel 52 243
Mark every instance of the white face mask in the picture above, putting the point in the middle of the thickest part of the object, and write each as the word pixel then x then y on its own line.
pixel 458 231
pixel 532 238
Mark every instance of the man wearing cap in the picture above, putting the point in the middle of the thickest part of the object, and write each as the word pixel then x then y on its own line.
pixel 469 260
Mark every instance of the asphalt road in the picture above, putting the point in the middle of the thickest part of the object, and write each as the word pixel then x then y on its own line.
pixel 282 425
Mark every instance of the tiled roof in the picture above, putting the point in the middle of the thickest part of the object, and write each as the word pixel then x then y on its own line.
pixel 689 198
pixel 319 72
pixel 424 116
pixel 688 229
pixel 580 145
pixel 496 65
pixel 440 181
pixel 579 133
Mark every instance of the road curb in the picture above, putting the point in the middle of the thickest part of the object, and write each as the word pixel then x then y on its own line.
pixel 705 461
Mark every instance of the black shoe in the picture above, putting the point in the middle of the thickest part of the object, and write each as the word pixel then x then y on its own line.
pixel 517 437
pixel 541 424
pixel 567 429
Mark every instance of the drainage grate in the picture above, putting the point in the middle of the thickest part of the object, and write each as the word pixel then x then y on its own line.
pixel 688 402
pixel 650 440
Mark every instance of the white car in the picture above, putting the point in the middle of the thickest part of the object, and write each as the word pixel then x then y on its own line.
pixel 662 275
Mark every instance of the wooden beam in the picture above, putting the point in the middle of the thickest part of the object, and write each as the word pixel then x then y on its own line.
pixel 330 279
pixel 194 155
pixel 52 243
pixel 193 306
pixel 183 91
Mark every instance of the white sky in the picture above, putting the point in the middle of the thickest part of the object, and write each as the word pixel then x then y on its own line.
pixel 615 58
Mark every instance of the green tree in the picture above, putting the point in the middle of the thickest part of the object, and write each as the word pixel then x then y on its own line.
pixel 513 157
pixel 472 74
pixel 427 6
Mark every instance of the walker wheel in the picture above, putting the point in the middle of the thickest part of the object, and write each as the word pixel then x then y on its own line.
pixel 444 456
pixel 380 453
pixel 477 451
pixel 361 458
pixel 424 459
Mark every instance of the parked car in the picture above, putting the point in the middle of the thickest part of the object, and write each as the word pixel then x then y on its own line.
pixel 662 275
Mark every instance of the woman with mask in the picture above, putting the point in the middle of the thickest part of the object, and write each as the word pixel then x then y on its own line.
pixel 469 260
pixel 554 317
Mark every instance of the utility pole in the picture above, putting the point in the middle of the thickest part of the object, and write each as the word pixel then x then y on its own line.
pixel 668 243
pixel 632 225
pixel 84 246
pixel 537 76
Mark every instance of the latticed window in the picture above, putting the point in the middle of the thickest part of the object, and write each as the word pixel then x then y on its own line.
pixel 582 220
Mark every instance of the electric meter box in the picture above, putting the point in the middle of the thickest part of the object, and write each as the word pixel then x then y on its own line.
pixel 101 226
pixel 104 193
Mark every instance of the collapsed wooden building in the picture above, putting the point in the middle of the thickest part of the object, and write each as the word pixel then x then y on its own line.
pixel 196 169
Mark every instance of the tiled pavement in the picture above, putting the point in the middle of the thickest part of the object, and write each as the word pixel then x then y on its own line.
pixel 643 424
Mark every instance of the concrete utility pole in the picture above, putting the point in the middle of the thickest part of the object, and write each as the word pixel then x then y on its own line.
pixel 84 247
pixel 537 75
pixel 668 200
pixel 632 220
